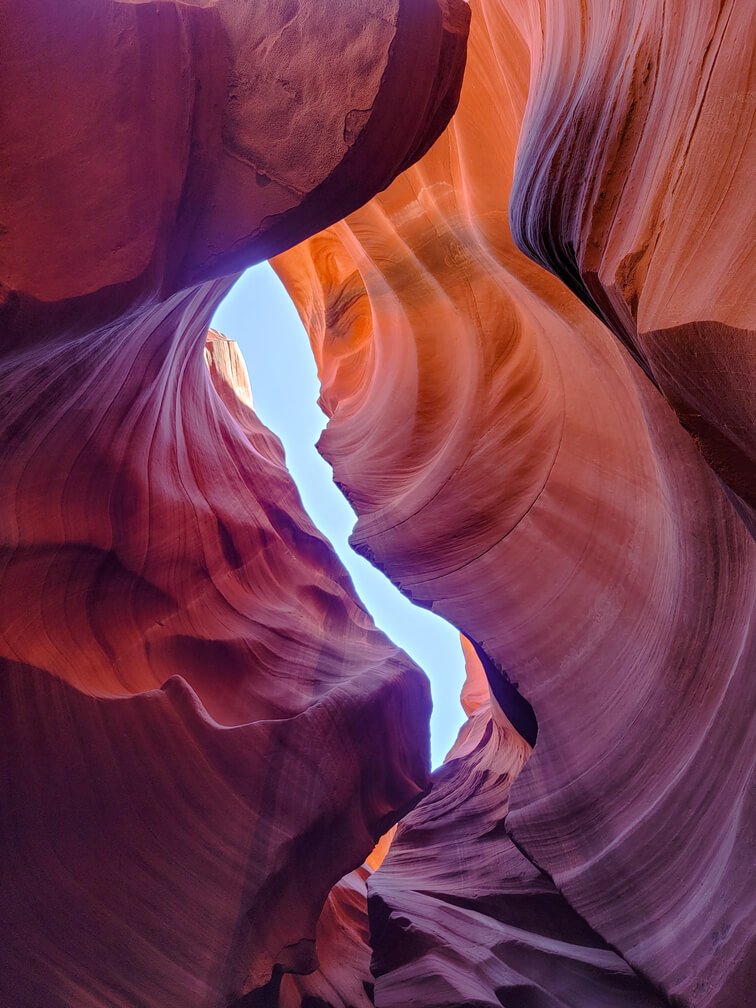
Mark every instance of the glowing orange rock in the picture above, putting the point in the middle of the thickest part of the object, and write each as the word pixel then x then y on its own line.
pixel 203 734
pixel 634 185
pixel 514 468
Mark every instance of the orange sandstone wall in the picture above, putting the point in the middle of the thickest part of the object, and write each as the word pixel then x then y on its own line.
pixel 515 467
pixel 634 185
pixel 202 733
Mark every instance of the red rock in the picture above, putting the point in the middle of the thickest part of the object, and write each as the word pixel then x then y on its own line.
pixel 343 978
pixel 203 733
pixel 247 137
pixel 515 469
pixel 634 185
pixel 217 579
pixel 459 916
pixel 202 730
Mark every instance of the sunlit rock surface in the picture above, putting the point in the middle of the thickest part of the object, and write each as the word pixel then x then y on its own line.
pixel 203 735
pixel 201 729
pixel 514 467
pixel 634 185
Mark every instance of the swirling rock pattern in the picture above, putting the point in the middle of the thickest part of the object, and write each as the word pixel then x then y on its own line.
pixel 247 137
pixel 514 468
pixel 489 929
pixel 235 596
pixel 634 185
pixel 203 734
pixel 202 731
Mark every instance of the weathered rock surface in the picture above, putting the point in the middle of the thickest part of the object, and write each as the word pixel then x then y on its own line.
pixel 634 184
pixel 156 821
pixel 202 731
pixel 514 468
pixel 486 928
pixel 203 735
pixel 168 142
pixel 343 978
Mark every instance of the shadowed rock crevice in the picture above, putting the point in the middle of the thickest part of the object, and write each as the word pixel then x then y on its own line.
pixel 509 698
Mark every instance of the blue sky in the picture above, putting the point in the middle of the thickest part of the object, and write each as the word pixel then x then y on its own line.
pixel 260 316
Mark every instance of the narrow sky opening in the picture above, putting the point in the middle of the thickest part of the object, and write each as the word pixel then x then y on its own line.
pixel 259 315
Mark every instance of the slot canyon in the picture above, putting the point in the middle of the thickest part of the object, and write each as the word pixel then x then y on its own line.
pixel 519 235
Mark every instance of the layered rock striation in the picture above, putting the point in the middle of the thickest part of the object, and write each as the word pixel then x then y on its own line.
pixel 515 467
pixel 203 734
pixel 202 730
pixel 634 186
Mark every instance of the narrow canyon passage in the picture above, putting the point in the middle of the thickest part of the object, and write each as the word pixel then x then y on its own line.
pixel 514 239
pixel 259 315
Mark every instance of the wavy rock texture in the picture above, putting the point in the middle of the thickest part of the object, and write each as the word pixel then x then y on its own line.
pixel 514 468
pixel 487 929
pixel 247 137
pixel 343 976
pixel 155 821
pixel 634 185
pixel 202 731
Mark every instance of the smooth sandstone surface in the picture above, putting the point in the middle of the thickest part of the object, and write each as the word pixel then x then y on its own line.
pixel 634 185
pixel 487 929
pixel 514 467
pixel 201 729
pixel 202 734
pixel 194 827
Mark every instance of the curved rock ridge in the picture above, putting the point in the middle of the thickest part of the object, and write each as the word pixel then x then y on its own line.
pixel 634 184
pixel 260 754
pixel 514 468
pixel 343 978
pixel 248 139
pixel 201 730
pixel 460 917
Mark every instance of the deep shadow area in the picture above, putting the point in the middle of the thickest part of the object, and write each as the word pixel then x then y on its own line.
pixel 508 696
